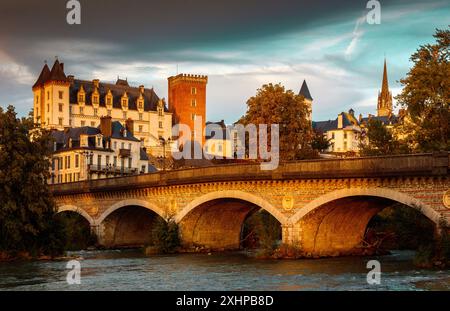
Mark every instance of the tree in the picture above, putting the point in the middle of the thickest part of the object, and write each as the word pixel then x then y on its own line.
pixel 274 105
pixel 426 96
pixel 379 140
pixel 27 222
pixel 320 142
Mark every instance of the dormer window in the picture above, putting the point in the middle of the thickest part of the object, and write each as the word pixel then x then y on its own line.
pixel 95 99
pixel 140 104
pixel 124 101
pixel 81 98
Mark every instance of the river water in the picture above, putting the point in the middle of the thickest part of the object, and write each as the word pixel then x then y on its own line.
pixel 130 270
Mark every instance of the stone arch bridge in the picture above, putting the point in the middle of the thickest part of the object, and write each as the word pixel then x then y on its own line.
pixel 323 206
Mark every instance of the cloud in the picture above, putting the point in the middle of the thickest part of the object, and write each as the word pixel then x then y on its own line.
pixel 13 71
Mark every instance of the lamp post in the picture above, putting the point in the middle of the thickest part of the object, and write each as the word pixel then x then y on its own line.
pixel 164 142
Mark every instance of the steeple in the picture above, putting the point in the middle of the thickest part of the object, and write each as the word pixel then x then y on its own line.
pixel 305 91
pixel 384 106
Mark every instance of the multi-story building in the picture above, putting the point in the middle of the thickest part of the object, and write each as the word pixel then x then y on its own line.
pixel 110 150
pixel 343 133
pixel 62 101
pixel 187 102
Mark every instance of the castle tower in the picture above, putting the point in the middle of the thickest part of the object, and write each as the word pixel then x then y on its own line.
pixel 304 91
pixel 51 97
pixel 384 107
pixel 187 102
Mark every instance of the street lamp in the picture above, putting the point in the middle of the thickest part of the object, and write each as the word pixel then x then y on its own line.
pixel 164 142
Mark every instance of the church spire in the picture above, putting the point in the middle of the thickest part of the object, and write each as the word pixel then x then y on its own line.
pixel 385 96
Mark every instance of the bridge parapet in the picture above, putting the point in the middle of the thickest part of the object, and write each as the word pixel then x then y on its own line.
pixel 429 164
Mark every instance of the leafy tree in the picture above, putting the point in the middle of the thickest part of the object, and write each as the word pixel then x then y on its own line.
pixel 320 142
pixel 165 235
pixel 274 105
pixel 426 96
pixel 27 222
pixel 379 140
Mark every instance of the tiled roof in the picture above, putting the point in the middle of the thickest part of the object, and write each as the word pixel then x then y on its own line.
pixel 43 77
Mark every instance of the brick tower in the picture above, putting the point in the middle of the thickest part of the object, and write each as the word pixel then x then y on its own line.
pixel 187 101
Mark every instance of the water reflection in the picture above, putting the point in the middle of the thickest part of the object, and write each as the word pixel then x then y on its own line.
pixel 130 270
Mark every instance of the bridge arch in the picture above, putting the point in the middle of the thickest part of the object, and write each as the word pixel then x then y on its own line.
pixel 75 209
pixel 385 193
pixel 131 202
pixel 336 223
pixel 216 220
pixel 232 194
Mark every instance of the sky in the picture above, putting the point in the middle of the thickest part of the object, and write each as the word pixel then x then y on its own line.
pixel 240 45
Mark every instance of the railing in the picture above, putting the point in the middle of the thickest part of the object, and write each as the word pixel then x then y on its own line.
pixel 111 169
pixel 437 164
pixel 124 153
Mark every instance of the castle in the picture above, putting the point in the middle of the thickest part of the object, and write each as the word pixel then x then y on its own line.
pixel 61 102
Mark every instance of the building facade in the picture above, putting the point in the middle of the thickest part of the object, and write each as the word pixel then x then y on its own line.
pixel 62 101
pixel 187 102
pixel 110 150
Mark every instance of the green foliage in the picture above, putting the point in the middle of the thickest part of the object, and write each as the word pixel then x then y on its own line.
pixel 165 235
pixel 76 231
pixel 26 204
pixel 379 140
pixel 410 228
pixel 274 105
pixel 261 230
pixel 320 142
pixel 426 96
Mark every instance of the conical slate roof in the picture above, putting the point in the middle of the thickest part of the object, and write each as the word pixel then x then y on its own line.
pixel 305 91
pixel 43 77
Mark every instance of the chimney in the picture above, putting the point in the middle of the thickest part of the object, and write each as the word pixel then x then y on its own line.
pixel 105 126
pixel 360 117
pixel 70 78
pixel 129 125
pixel 141 89
pixel 352 112
pixel 340 121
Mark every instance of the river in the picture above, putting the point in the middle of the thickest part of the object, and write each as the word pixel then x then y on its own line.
pixel 130 270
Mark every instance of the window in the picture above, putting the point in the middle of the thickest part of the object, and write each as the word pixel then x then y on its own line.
pixel 70 109
pixel 99 160
pixel 60 107
pixel 37 99
pixel 140 104
pixel 129 146
pixel 81 98
pixel 345 145
pixel 81 110
pixel 193 90
pixel 129 162
pixel 108 100
pixel 109 112
pixel 345 135
pixel 77 160
pixel 70 122
pixel 83 123
pixel 95 112
pixel 124 115
pixel 95 99
pixel 60 121
pixel 140 128
pixel 61 94
pixel 115 161
pixel 99 141
pixel 140 117
pixel 160 112
pixel 124 102
pixel 193 117
pixel 53 164
pixel 160 124
pixel 194 103
pixel 332 135
pixel 107 160
pixel 48 108
pixel 143 169
pixel 48 95
pixel 60 163
pixel 115 145
pixel 68 162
